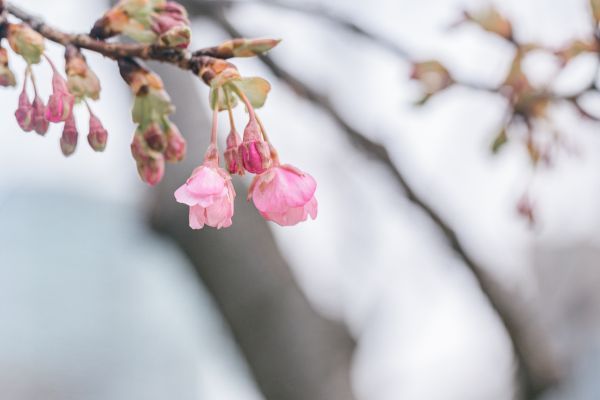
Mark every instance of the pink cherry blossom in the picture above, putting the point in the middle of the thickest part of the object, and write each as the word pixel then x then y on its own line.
pixel 24 113
pixel 210 195
pixel 284 194
pixel 60 104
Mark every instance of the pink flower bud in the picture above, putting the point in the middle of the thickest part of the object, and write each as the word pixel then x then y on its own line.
pixel 255 152
pixel 150 163
pixel 176 145
pixel 155 137
pixel 60 104
pixel 171 24
pixel 97 135
pixel 68 140
pixel 24 113
pixel 284 194
pixel 40 124
pixel 209 194
pixel 232 155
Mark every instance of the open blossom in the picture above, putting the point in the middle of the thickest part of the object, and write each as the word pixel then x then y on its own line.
pixel 255 152
pixel 284 194
pixel 40 123
pixel 60 104
pixel 210 195
pixel 24 113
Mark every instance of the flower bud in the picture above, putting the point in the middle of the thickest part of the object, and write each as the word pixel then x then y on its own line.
pixel 433 76
pixel 68 140
pixel 26 42
pixel 155 137
pixel 176 145
pixel 255 152
pixel 97 135
pixel 40 123
pixel 171 24
pixel 24 113
pixel 60 104
pixel 81 80
pixel 245 47
pixel 150 163
pixel 233 159
pixel 7 78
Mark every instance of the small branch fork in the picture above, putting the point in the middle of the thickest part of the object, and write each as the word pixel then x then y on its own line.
pixel 181 58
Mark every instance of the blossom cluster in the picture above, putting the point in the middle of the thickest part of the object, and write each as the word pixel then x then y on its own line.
pixel 81 84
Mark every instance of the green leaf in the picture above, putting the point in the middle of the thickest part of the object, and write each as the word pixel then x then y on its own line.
pixel 217 97
pixel 255 88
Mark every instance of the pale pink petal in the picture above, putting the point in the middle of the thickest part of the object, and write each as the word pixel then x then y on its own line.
pixel 197 217
pixel 205 182
pixel 281 188
pixel 183 195
pixel 312 207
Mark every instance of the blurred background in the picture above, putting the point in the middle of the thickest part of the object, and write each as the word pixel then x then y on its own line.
pixel 418 280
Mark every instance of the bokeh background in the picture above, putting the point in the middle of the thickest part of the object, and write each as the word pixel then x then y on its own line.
pixel 106 294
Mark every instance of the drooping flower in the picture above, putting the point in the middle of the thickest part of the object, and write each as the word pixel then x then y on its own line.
pixel 97 135
pixel 232 155
pixel 68 140
pixel 209 194
pixel 24 113
pixel 284 194
pixel 255 152
pixel 60 104
pixel 40 123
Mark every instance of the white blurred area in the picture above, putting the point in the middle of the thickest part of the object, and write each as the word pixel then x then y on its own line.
pixel 424 330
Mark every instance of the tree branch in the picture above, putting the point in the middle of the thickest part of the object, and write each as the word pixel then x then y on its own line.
pixel 536 368
pixel 178 57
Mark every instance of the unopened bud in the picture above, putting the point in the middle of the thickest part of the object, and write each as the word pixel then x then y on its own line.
pixel 7 78
pixel 81 80
pixel 24 113
pixel 150 163
pixel 245 47
pixel 60 104
pixel 176 145
pixel 255 152
pixel 40 123
pixel 68 140
pixel 155 137
pixel 97 135
pixel 26 42
pixel 233 158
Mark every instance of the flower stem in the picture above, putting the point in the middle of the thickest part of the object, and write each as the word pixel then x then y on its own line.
pixel 34 84
pixel 229 110
pixel 262 129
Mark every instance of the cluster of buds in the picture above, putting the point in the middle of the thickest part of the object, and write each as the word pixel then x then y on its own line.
pixel 156 138
pixel 281 193
pixel 146 21
pixel 81 83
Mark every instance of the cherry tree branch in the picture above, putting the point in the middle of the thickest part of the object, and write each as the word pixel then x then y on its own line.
pixel 178 57
pixel 536 370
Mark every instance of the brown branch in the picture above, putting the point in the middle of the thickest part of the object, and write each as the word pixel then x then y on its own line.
pixel 181 58
pixel 536 372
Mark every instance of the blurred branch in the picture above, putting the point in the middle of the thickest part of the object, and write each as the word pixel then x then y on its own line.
pixel 536 369
pixel 315 10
